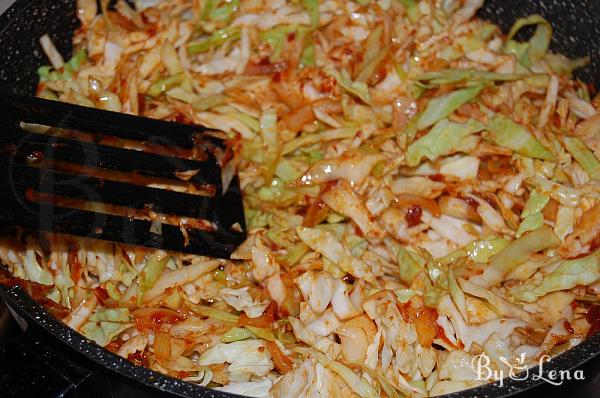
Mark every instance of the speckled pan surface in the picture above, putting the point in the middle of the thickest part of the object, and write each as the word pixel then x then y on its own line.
pixel 576 30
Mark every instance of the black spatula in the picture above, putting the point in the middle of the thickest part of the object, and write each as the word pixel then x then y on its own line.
pixel 98 174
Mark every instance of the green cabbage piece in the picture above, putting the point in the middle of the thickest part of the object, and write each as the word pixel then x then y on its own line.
pixel 442 139
pixel 47 73
pixel 262 333
pixel 532 51
pixel 271 142
pixel 312 6
pixel 356 89
pixel 247 120
pixel 515 254
pixel 212 313
pixel 321 137
pixel 404 295
pixel 390 390
pixel 152 271
pixel 287 171
pixel 505 132
pixel 412 9
pixel 236 334
pixel 440 107
pixel 534 204
pixel 408 267
pixel 566 196
pixel 209 101
pixel 256 218
pixel 530 223
pixel 308 54
pixel 532 213
pixel 451 76
pixel 277 38
pixel 76 60
pixel 294 254
pixel 583 156
pixel 211 12
pixel 121 315
pixel 570 273
pixel 479 250
pixel 563 65
pixel 164 84
pixel 113 291
pixel 103 332
pixel 218 38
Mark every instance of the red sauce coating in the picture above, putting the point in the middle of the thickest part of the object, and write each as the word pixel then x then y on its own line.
pixel 413 215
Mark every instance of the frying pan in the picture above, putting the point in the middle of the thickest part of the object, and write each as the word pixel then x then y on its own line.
pixel 576 30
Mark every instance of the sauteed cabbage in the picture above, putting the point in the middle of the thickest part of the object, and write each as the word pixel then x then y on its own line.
pixel 419 189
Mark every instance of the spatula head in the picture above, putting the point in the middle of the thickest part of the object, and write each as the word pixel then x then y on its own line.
pixel 106 175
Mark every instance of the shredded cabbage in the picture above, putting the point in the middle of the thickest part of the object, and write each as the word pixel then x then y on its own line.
pixel 418 189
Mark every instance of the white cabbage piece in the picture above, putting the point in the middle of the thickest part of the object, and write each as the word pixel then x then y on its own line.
pixel 358 384
pixel 450 228
pixel 277 289
pixel 480 333
pixel 417 185
pixel 263 261
pixel 490 216
pixel 320 289
pixel 310 380
pixel 399 337
pixel 81 313
pixel 353 168
pixel 317 289
pixel 325 324
pixel 379 200
pixel 372 357
pixel 458 367
pixel 326 243
pixel 137 343
pixel 463 167
pixel 554 306
pixel 323 344
pixel 258 389
pixel 343 200
pixel 34 271
pixel 191 327
pixel 345 304
pixel 248 356
pixel 241 300
pixel 501 305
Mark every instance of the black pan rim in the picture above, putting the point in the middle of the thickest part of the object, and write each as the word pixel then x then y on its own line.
pixel 25 306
